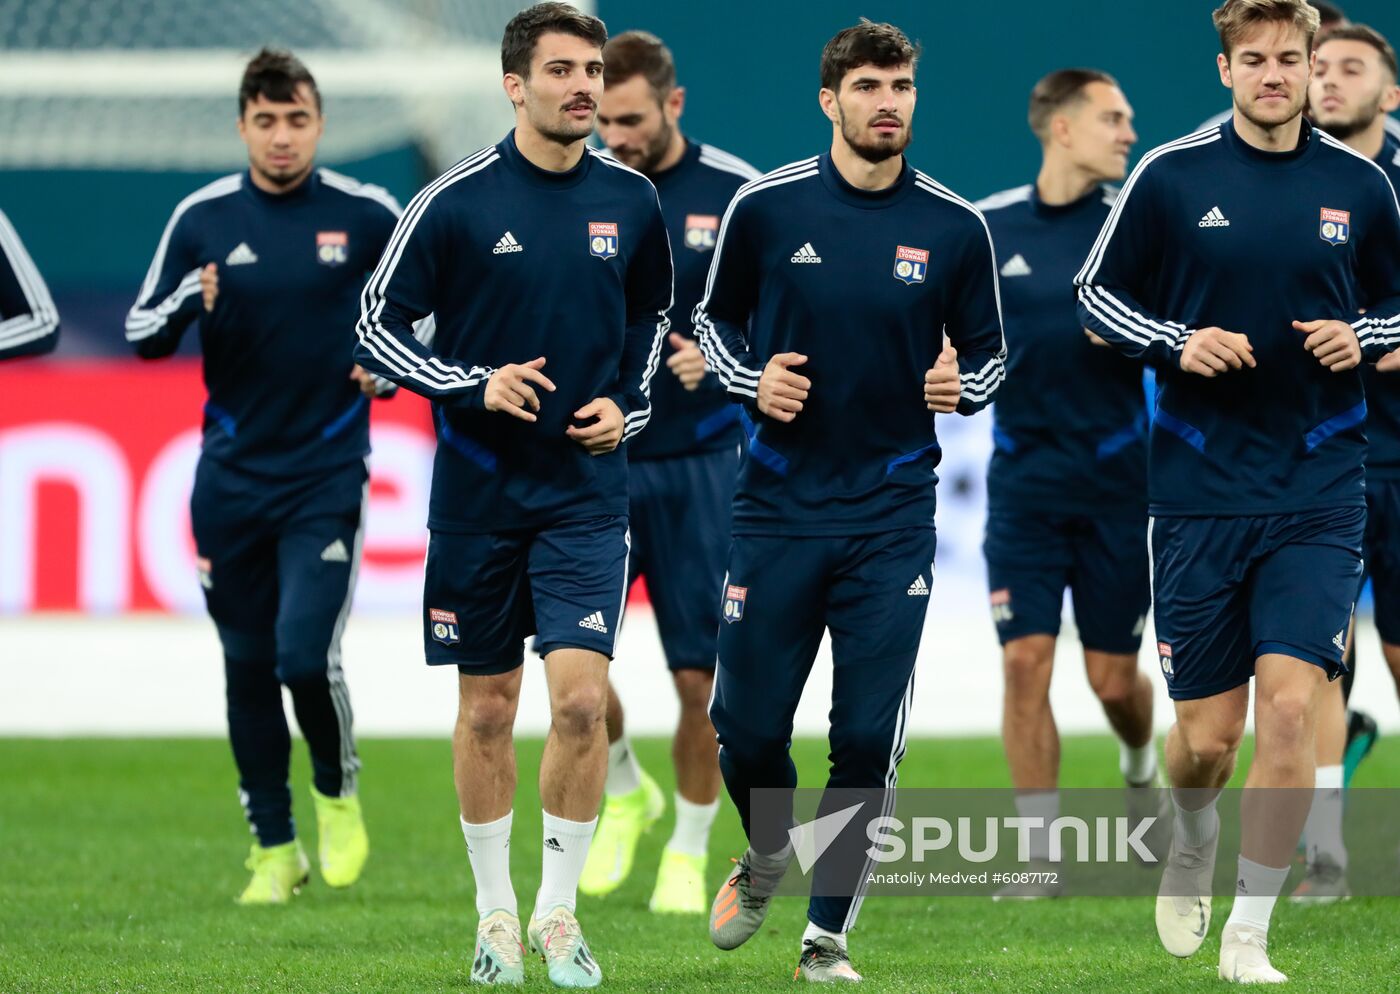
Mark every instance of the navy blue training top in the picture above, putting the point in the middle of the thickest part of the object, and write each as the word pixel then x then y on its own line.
pixel 1070 422
pixel 28 318
pixel 694 194
pixel 865 285
pixel 1209 231
pixel 277 345
pixel 517 262
pixel 1383 389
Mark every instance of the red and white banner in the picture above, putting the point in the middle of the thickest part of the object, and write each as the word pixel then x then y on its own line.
pixel 96 464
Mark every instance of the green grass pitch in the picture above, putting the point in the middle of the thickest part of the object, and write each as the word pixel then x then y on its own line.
pixel 119 860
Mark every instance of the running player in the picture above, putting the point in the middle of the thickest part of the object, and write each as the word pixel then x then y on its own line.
pixel 1353 90
pixel 1067 485
pixel 533 251
pixel 1234 260
pixel 28 318
pixel 832 285
pixel 272 261
pixel 681 477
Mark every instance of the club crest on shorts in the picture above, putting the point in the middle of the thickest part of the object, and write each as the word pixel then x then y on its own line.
pixel 444 626
pixel 910 264
pixel 1164 652
pixel 332 247
pixel 602 239
pixel 1335 226
pixel 1001 606
pixel 734 598
pixel 205 569
pixel 701 231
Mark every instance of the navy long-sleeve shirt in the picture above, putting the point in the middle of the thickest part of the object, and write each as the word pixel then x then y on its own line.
pixel 277 345
pixel 28 318
pixel 865 285
pixel 516 262
pixel 1383 389
pixel 694 194
pixel 1070 422
pixel 1210 231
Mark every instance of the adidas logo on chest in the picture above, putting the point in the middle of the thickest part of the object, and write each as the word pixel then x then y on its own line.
pixel 506 245
pixel 1213 219
pixel 806 254
pixel 241 256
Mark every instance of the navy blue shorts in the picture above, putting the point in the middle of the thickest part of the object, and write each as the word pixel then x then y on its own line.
pixel 1382 553
pixel 680 512
pixel 1229 590
pixel 485 594
pixel 277 559
pixel 1032 558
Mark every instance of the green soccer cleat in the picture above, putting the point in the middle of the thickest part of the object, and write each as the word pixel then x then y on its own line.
pixel 499 957
pixel 742 903
pixel 824 962
pixel 680 884
pixel 1361 739
pixel 343 845
pixel 560 943
pixel 279 873
pixel 625 818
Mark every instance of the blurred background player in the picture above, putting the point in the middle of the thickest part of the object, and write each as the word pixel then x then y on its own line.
pixel 833 283
pixel 1067 484
pixel 1330 18
pixel 537 249
pixel 1353 90
pixel 28 317
pixel 1256 474
pixel 272 261
pixel 681 479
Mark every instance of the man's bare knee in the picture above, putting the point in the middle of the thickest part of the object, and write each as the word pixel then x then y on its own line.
pixel 1027 664
pixel 693 689
pixel 486 706
pixel 1112 678
pixel 578 710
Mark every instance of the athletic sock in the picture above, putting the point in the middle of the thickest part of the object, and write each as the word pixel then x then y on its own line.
pixel 1045 805
pixel 1323 829
pixel 565 849
pixel 1198 828
pixel 816 931
pixel 488 848
pixel 1256 890
pixel 624 772
pixel 1138 763
pixel 693 821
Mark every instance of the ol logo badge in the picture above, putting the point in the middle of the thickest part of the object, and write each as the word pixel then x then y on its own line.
pixel 444 626
pixel 734 598
pixel 910 265
pixel 602 239
pixel 332 247
pixel 1335 226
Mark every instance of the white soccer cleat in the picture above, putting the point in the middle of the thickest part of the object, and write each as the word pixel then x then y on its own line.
pixel 1183 899
pixel 1244 956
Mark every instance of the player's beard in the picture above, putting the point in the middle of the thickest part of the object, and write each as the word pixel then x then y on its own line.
pixel 656 149
pixel 285 179
pixel 876 151
pixel 1266 124
pixel 559 129
pixel 1359 122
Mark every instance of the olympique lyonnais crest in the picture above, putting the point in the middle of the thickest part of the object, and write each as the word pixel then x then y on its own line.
pixel 910 264
pixel 701 231
pixel 332 247
pixel 1164 652
pixel 734 598
pixel 1335 226
pixel 444 626
pixel 602 239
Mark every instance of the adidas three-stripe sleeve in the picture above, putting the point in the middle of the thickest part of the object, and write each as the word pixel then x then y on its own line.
pixel 649 294
pixel 730 296
pixel 28 318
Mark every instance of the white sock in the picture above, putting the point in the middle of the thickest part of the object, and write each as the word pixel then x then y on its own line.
pixel 814 931
pixel 693 821
pixel 1256 890
pixel 624 773
pixel 488 848
pixel 1045 805
pixel 1138 763
pixel 1323 830
pixel 1196 828
pixel 565 849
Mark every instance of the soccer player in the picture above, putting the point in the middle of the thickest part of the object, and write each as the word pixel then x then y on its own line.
pixel 1235 260
pixel 272 261
pixel 548 269
pixel 681 477
pixel 1353 90
pixel 28 318
pixel 1067 485
pixel 831 288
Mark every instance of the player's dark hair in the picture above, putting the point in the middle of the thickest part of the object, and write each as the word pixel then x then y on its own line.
pixel 1058 90
pixel 865 44
pixel 526 28
pixel 275 74
pixel 1372 37
pixel 1235 17
pixel 639 53
pixel 1328 13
